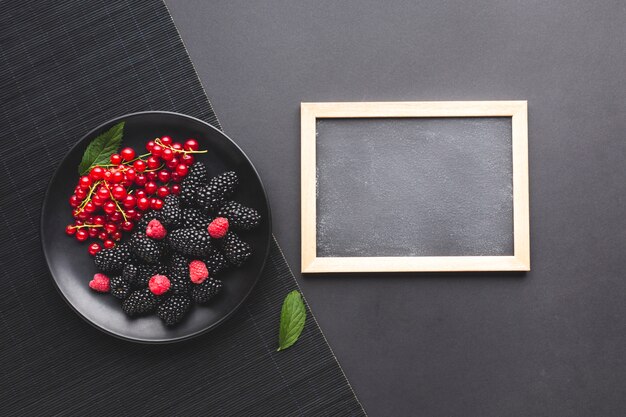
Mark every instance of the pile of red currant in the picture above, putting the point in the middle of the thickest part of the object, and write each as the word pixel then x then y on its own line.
pixel 112 198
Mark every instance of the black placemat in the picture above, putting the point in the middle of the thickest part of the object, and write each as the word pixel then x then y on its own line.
pixel 64 68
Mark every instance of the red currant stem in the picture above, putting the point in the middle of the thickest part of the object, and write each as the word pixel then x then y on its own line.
pixel 81 226
pixel 117 204
pixel 183 151
pixel 88 198
pixel 155 169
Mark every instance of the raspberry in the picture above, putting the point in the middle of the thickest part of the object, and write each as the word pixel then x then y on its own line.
pixel 159 284
pixel 145 248
pixel 204 292
pixel 100 283
pixel 198 272
pixel 174 309
pixel 139 302
pixel 147 271
pixel 218 227
pixel 239 216
pixel 120 288
pixel 190 242
pixel 236 250
pixel 155 230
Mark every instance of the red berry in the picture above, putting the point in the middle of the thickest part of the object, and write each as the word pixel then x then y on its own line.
pixel 110 228
pixel 143 203
pixel 117 177
pixel 191 145
pixel 96 173
pixel 99 220
pixel 83 215
pixel 167 154
pixel 172 164
pixel 103 193
pixel 177 147
pixel 130 213
pixel 109 207
pixel 150 145
pixel 198 271
pixel 164 175
pixel 218 227
pixel 140 193
pixel 84 182
pixel 129 202
pixel 80 194
pixel 151 176
pixel 108 175
pixel 182 170
pixel 116 236
pixel 90 207
pixel 176 177
pixel 163 191
pixel 166 140
pixel 153 162
pixel 115 216
pixel 127 226
pixel 97 201
pixel 103 235
pixel 156 204
pixel 116 159
pixel 82 235
pixel 155 230
pixel 127 154
pixel 151 187
pixel 74 201
pixel 70 230
pixel 100 283
pixel 140 180
pixel 94 248
pixel 187 159
pixel 130 174
pixel 118 192
pixel 139 165
pixel 156 150
pixel 108 244
pixel 175 189
pixel 137 216
pixel 159 284
pixel 93 232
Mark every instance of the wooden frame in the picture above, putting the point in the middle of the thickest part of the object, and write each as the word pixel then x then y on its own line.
pixel 517 110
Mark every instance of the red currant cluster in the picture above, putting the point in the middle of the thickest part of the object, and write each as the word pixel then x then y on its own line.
pixel 113 197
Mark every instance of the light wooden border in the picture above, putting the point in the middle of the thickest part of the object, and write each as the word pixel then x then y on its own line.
pixel 517 110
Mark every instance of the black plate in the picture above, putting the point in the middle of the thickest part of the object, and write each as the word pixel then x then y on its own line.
pixel 72 267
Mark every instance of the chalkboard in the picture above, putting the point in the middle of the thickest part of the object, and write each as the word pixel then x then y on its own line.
pixel 388 190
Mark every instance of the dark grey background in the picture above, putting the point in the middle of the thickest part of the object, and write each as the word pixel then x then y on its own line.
pixel 414 187
pixel 546 343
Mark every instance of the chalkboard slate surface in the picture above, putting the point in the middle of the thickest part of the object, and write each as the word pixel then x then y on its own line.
pixel 414 187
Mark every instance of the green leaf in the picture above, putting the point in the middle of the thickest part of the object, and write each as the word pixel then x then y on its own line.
pixel 101 148
pixel 292 319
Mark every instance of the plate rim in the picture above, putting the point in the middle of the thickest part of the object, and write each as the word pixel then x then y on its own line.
pixel 165 340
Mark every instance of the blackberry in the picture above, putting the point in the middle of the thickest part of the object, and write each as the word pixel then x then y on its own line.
pixel 190 242
pixel 210 197
pixel 236 250
pixel 197 173
pixel 179 275
pixel 216 262
pixel 147 271
pixel 112 260
pixel 193 218
pixel 174 309
pixel 170 214
pixel 204 292
pixel 239 216
pixel 145 219
pixel 189 189
pixel 129 273
pixel 146 249
pixel 139 302
pixel 227 182
pixel 120 288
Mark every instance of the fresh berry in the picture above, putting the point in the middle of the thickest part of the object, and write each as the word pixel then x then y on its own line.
pixel 236 250
pixel 159 284
pixel 191 145
pixel 100 283
pixel 82 235
pixel 155 230
pixel 179 274
pixel 129 273
pixel 108 243
pixel 190 242
pixel 70 230
pixel 209 197
pixel 193 218
pixel 182 170
pixel 198 272
pixel 156 204
pixel 146 249
pixel 140 166
pixel 205 291
pixel 112 260
pixel 239 216
pixel 174 309
pixel 147 271
pixel 166 140
pixel 143 203
pixel 227 182
pixel 116 159
pixel 120 288
pixel 139 302
pixel 94 247
pixel 171 213
pixel 96 173
pixel 216 263
pixel 218 227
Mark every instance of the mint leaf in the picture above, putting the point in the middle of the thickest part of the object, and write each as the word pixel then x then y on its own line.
pixel 292 317
pixel 101 148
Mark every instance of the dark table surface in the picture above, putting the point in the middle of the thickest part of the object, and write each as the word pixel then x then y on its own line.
pixel 546 343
